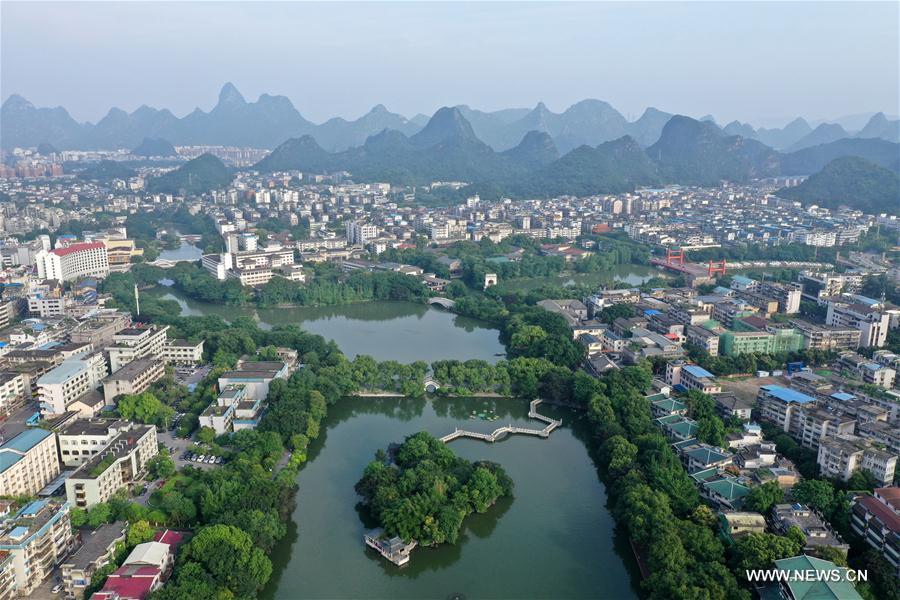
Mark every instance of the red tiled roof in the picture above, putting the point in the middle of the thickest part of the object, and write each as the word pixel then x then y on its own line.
pixel 172 538
pixel 78 248
pixel 891 495
pixel 884 514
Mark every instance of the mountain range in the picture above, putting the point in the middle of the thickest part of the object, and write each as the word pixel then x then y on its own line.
pixel 271 120
pixel 688 152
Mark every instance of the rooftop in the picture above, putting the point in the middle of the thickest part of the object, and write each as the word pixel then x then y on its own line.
pixel 787 395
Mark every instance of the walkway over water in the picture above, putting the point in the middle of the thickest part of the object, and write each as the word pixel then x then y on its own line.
pixel 440 301
pixel 502 432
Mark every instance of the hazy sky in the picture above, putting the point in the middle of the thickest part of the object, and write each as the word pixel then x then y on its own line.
pixel 757 62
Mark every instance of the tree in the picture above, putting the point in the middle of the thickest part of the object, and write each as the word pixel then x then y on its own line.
pixel 206 435
pixel 144 408
pixel 763 497
pixel 818 494
pixel 230 558
pixel 760 550
pixel 138 533
pixel 161 466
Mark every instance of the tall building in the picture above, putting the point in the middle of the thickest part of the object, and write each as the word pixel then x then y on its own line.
pixel 872 323
pixel 359 232
pixel 68 382
pixel 72 262
pixel 136 342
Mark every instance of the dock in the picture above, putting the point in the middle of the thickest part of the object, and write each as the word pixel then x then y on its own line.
pixel 502 432
pixel 394 549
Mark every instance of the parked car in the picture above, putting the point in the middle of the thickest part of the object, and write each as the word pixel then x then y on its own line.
pixel 56 588
pixel 201 458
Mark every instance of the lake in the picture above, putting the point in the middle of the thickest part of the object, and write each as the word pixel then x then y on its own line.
pixel 631 274
pixel 402 331
pixel 553 539
pixel 185 252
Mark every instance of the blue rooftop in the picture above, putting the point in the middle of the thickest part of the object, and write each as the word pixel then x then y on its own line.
pixel 26 440
pixel 843 396
pixel 33 508
pixel 698 372
pixel 787 394
pixel 651 311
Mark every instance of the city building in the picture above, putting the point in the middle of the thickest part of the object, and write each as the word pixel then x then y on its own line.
pixel 876 519
pixel 72 379
pixel 114 467
pixel 28 462
pixel 136 342
pixel 133 378
pixel 691 377
pixel 183 353
pixel 96 550
pixel 81 439
pixel 841 456
pixel 73 262
pixel 872 323
pixel 38 538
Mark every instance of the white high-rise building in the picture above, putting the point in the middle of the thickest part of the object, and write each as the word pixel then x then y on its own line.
pixel 359 232
pixel 72 262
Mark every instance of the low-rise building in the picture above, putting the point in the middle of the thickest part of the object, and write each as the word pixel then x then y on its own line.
pixel 81 439
pixel 96 550
pixel 817 532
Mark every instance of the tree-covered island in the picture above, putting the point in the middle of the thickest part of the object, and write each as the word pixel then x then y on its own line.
pixel 422 491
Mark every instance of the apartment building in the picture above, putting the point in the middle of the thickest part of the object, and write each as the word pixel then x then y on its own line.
pixel 72 379
pixel 97 549
pixel 183 353
pixel 99 329
pixel 360 233
pixel 28 462
pixel 136 342
pixel 12 391
pixel 823 337
pixel 876 519
pixel 233 410
pixel 691 377
pixel 73 262
pixel 842 456
pixel 133 378
pixel 703 338
pixel 801 416
pixel 867 370
pixel 113 467
pixel 38 538
pixel 825 285
pixel 872 323
pixel 81 439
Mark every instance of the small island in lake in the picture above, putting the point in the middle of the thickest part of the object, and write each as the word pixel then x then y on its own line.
pixel 420 492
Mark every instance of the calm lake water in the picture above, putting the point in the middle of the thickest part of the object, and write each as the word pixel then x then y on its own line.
pixel 630 274
pixel 402 331
pixel 185 252
pixel 553 539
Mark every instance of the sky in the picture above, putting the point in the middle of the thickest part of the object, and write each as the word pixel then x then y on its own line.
pixel 763 62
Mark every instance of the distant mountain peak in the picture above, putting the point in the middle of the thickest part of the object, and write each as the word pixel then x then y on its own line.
pixel 230 97
pixel 379 109
pixel 15 101
pixel 448 123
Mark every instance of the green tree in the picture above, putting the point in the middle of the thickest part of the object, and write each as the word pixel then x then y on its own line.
pixel 138 533
pixel 230 558
pixel 763 497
